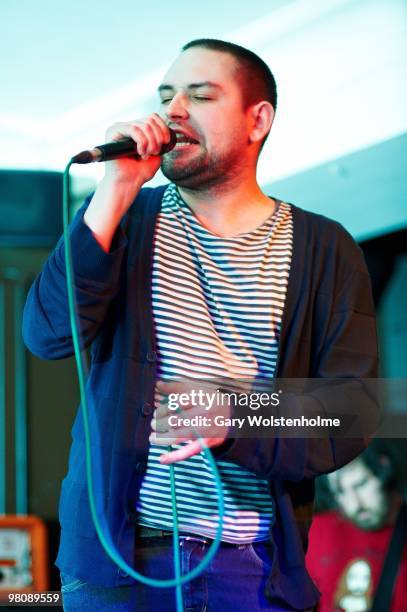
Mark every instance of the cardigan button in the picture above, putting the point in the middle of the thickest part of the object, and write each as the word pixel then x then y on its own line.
pixel 140 467
pixel 151 356
pixel 147 409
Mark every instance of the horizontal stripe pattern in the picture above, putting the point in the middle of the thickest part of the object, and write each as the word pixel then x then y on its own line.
pixel 217 305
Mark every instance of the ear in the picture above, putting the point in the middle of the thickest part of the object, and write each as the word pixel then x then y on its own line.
pixel 262 116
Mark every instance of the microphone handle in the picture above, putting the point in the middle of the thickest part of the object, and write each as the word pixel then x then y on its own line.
pixel 125 147
pixel 114 150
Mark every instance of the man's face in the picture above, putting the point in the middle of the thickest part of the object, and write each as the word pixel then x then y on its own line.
pixel 201 97
pixel 360 495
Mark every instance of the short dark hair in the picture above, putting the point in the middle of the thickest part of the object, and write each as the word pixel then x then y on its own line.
pixel 255 77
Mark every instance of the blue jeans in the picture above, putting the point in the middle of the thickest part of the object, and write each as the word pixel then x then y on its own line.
pixel 233 582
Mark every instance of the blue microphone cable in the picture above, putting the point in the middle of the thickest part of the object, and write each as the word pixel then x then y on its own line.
pixel 100 522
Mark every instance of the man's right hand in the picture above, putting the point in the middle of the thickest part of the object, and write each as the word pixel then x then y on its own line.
pixel 125 177
pixel 150 134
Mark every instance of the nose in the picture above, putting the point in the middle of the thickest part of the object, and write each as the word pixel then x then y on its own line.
pixel 352 503
pixel 177 108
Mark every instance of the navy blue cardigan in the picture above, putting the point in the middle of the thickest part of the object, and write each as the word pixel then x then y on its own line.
pixel 328 330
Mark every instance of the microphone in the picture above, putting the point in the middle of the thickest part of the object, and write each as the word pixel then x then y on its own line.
pixel 126 147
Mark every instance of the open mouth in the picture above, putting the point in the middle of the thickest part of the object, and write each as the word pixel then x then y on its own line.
pixel 184 145
pixel 183 141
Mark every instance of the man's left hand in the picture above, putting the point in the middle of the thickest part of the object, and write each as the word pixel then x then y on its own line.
pixel 211 435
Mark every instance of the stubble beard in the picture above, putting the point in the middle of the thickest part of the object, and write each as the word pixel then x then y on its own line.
pixel 200 171
pixel 375 520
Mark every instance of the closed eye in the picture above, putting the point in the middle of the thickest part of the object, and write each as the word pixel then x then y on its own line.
pixel 201 98
pixel 361 483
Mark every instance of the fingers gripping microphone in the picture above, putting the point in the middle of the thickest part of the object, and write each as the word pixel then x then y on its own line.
pixel 126 147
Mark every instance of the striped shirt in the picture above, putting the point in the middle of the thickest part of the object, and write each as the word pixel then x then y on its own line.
pixel 217 306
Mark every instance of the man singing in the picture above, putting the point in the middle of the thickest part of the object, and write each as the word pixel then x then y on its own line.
pixel 205 277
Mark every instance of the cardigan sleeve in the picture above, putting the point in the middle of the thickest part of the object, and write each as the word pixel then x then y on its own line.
pixel 46 324
pixel 347 355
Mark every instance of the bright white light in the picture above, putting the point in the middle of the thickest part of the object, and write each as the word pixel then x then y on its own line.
pixel 339 66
